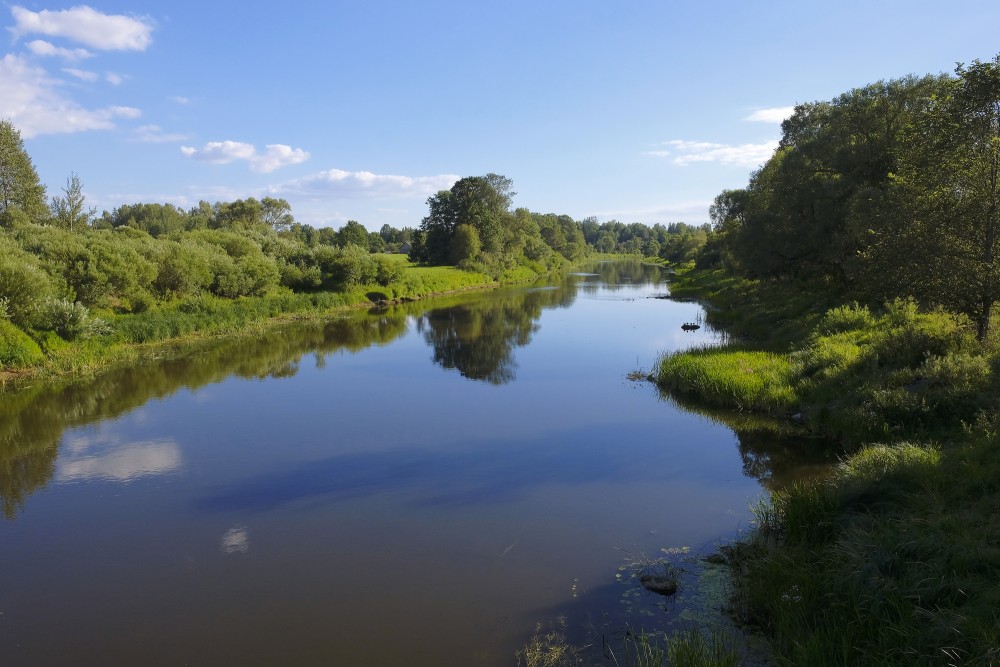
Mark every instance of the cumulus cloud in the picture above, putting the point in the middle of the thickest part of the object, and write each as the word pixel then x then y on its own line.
pixel 42 48
pixel 274 157
pixel 114 78
pixel 33 102
pixel 220 152
pixel 107 32
pixel 363 184
pixel 683 153
pixel 772 115
pixel 277 156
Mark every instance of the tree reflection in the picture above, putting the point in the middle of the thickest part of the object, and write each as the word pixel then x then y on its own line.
pixel 476 335
pixel 774 452
pixel 478 338
pixel 617 275
pixel 32 420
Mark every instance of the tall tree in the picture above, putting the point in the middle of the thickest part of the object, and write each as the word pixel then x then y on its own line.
pixel 353 233
pixel 948 198
pixel 483 203
pixel 69 210
pixel 20 189
pixel 277 213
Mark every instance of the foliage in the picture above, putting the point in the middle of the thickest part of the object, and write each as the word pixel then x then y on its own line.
pixel 17 349
pixel 71 320
pixel 24 285
pixel 891 559
pixel 20 189
pixel 68 210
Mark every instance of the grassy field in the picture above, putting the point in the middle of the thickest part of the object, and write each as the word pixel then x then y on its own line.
pixel 894 558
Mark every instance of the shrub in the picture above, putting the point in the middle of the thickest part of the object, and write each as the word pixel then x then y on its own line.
pixel 24 286
pixel 184 268
pixel 71 320
pixel 851 317
pixel 16 347
pixel 388 270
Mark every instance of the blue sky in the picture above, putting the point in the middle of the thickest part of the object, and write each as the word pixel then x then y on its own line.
pixel 637 111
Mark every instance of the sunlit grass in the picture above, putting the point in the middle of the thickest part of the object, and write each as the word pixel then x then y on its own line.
pixel 728 377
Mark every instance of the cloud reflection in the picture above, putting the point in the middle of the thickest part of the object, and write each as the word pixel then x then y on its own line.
pixel 110 460
pixel 235 541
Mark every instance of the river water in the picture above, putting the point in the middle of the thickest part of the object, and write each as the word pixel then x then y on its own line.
pixel 420 485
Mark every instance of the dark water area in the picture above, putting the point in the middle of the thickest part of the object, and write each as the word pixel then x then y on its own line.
pixel 417 485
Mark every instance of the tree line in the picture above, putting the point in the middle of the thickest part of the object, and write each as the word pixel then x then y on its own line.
pixel 889 190
pixel 59 258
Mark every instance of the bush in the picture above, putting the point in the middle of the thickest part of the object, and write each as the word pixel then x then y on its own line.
pixel 17 350
pixel 24 286
pixel 71 320
pixel 851 317
pixel 389 270
pixel 184 268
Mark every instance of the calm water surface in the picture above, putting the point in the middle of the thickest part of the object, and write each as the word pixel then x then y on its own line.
pixel 417 486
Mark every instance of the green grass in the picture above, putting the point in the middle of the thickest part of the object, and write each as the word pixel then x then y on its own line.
pixel 893 558
pixel 731 377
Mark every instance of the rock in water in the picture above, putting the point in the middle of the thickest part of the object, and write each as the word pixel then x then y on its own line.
pixel 661 585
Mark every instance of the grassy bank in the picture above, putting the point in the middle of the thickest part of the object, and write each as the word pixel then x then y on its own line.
pixel 127 338
pixel 893 558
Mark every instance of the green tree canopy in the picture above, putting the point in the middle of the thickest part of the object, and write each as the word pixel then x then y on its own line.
pixel 20 188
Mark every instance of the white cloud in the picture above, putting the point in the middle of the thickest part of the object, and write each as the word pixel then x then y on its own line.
pixel 772 115
pixel 223 152
pixel 81 74
pixel 32 101
pixel 683 153
pixel 276 157
pixel 220 152
pixel 113 78
pixel 125 112
pixel 42 48
pixel 341 183
pixel 107 32
pixel 180 99
pixel 691 212
pixel 154 134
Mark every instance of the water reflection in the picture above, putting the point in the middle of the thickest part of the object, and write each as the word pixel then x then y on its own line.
pixel 477 335
pixel 376 505
pixel 773 451
pixel 91 458
pixel 483 473
pixel 236 540
pixel 479 339
pixel 33 420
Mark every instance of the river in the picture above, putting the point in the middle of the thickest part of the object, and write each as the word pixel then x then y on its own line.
pixel 419 485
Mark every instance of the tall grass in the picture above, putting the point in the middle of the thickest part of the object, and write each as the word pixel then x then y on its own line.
pixel 730 377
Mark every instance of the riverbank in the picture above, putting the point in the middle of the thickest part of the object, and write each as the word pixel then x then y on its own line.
pixel 129 338
pixel 893 558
